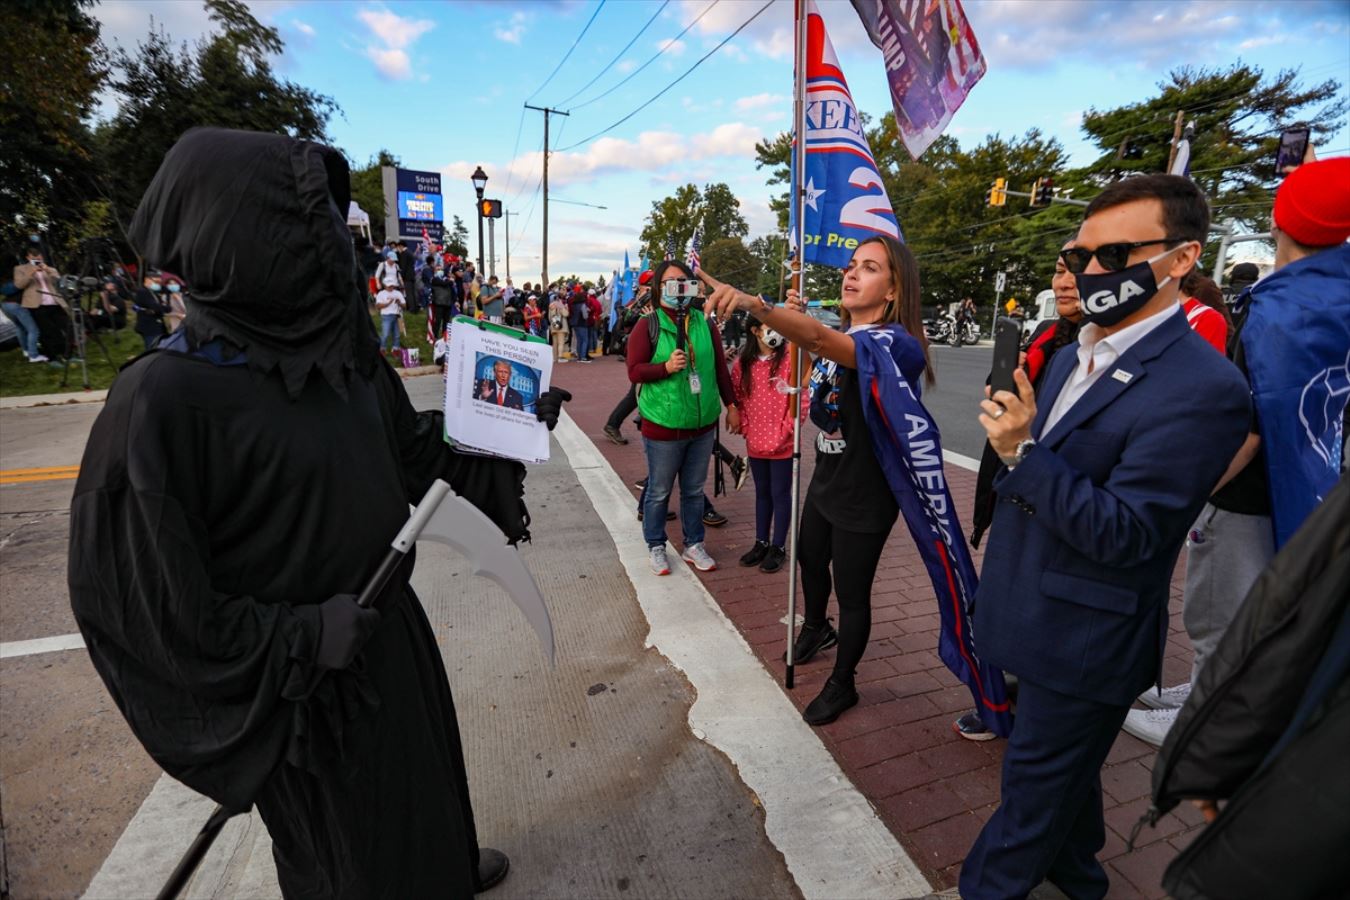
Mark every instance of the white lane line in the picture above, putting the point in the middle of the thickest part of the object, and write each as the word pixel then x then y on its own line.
pixel 830 837
pixel 41 645
pixel 957 459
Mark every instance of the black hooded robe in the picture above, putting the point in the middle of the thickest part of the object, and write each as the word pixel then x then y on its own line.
pixel 218 504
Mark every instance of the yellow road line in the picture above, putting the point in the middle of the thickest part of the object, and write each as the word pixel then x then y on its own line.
pixel 32 476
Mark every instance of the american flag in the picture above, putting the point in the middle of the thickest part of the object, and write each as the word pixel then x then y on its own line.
pixel 670 247
pixel 692 259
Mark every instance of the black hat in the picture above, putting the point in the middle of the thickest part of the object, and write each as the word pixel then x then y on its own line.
pixel 1244 274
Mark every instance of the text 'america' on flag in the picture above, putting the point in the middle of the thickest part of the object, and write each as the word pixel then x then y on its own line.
pixel 846 201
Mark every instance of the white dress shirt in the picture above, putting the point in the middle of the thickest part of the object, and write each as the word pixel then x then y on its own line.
pixel 1097 352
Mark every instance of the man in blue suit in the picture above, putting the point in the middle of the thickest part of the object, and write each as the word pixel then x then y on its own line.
pixel 1107 470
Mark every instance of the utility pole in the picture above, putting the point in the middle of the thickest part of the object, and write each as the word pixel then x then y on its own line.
pixel 1176 137
pixel 547 112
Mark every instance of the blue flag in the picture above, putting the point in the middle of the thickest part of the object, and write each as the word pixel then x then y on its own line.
pixel 1297 343
pixel 907 444
pixel 846 201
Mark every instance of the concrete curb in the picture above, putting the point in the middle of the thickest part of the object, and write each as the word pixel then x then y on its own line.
pixel 831 838
pixel 52 399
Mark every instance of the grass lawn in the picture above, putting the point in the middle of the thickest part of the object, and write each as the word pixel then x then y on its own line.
pixel 20 378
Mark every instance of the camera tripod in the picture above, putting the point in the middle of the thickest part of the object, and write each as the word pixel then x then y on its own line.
pixel 80 338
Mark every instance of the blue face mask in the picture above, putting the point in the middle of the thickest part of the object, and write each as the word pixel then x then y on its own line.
pixel 1111 297
pixel 174 288
pixel 156 288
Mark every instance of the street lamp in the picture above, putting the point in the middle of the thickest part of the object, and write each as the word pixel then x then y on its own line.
pixel 480 180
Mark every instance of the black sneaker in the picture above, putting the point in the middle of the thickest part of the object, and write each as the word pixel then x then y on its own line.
pixel 830 704
pixel 811 640
pixel 972 728
pixel 739 471
pixel 615 435
pixel 773 560
pixel 756 554
pixel 640 483
pixel 713 519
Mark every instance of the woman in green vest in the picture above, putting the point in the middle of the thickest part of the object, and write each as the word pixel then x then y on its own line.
pixel 675 358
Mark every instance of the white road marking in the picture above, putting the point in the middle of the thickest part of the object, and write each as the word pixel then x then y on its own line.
pixel 830 837
pixel 958 459
pixel 41 645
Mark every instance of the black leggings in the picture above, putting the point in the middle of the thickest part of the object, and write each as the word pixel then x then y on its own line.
pixel 854 556
pixel 625 408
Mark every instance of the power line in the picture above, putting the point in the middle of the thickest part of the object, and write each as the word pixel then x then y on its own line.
pixel 673 83
pixel 568 54
pixel 617 57
pixel 658 55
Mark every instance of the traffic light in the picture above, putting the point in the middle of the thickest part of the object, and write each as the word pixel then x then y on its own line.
pixel 1044 192
pixel 998 195
pixel 490 209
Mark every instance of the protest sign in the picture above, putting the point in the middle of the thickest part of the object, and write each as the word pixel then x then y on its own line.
pixel 493 376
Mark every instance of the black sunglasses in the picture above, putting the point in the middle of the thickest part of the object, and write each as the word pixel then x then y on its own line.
pixel 1113 257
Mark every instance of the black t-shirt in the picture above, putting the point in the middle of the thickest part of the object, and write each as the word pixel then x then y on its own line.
pixel 849 488
pixel 1248 493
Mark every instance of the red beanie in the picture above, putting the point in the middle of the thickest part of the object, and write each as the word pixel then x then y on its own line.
pixel 1313 204
pixel 646 277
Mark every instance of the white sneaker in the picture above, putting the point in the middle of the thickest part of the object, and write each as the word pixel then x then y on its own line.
pixel 657 557
pixel 1150 725
pixel 1170 698
pixel 38 358
pixel 698 557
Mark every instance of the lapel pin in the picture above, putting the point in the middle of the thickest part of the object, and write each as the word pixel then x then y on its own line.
pixel 1122 376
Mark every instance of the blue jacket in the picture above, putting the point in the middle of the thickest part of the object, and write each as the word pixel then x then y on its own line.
pixel 1077 572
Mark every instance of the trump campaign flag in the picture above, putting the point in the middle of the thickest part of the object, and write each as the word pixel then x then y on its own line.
pixel 845 199
pixel 932 62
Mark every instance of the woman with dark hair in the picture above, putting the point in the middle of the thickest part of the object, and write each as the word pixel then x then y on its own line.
pixel 853 499
pixel 677 362
pixel 1208 316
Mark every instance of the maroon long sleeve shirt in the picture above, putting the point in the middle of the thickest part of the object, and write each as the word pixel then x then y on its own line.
pixel 641 370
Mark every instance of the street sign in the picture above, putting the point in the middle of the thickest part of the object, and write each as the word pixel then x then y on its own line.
pixel 1000 282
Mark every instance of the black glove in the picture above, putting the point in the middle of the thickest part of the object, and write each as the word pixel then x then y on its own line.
pixel 549 404
pixel 346 628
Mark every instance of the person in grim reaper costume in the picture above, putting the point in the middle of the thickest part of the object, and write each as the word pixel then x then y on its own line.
pixel 240 485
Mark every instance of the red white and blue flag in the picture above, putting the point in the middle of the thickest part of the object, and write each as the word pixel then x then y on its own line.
pixel 845 199
pixel 692 260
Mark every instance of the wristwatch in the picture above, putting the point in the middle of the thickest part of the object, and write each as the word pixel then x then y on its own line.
pixel 1019 454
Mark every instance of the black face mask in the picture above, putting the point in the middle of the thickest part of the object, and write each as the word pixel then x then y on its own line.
pixel 1109 297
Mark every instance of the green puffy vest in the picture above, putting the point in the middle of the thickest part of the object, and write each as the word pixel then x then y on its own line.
pixel 669 402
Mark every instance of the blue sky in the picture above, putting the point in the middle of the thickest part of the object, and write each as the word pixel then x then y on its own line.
pixel 442 86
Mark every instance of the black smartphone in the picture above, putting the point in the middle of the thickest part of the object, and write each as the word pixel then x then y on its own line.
pixel 1293 147
pixel 1007 348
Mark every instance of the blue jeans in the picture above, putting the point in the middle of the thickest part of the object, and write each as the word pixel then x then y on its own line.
pixel 583 341
pixel 24 324
pixel 687 458
pixel 389 328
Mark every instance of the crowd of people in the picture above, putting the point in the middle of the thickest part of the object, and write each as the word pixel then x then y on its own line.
pixel 1147 419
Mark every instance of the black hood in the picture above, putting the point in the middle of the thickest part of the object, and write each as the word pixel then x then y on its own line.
pixel 257 226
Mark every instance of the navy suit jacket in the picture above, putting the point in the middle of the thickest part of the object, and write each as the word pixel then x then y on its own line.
pixel 1077 571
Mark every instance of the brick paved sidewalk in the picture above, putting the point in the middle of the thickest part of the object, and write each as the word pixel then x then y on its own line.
pixel 933 789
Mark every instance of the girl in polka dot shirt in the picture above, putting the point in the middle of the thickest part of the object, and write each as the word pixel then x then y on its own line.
pixel 761 368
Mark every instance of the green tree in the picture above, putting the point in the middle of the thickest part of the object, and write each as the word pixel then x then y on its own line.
pixel 48 82
pixel 226 80
pixel 368 191
pixel 729 260
pixel 457 238
pixel 1238 114
pixel 714 212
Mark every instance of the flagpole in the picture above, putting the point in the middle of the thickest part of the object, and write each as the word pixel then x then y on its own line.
pixel 799 148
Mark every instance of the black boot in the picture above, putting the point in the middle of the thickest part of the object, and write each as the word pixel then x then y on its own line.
pixel 492 868
pixel 811 640
pixel 834 698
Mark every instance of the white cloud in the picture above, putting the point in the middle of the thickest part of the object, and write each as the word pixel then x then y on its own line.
pixel 393 30
pixel 304 28
pixel 395 34
pixel 392 64
pixel 626 66
pixel 672 47
pixel 511 32
pixel 757 101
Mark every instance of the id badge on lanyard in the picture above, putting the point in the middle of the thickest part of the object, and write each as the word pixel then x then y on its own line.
pixel 695 383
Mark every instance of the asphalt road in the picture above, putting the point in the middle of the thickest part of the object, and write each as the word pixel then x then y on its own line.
pixel 954 400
